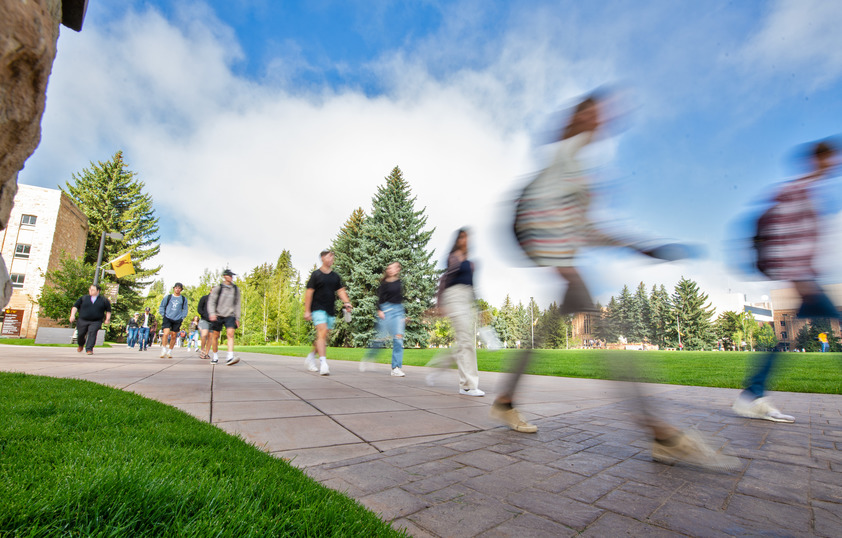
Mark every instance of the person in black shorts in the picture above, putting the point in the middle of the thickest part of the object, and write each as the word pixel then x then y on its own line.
pixel 92 309
pixel 173 310
pixel 322 288
pixel 224 311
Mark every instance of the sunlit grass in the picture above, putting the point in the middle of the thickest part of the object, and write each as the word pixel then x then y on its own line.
pixel 796 372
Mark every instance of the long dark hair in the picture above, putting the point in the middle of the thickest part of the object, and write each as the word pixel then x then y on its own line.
pixel 459 233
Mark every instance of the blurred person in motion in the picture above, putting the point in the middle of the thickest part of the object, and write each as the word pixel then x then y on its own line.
pixel 173 310
pixel 144 323
pixel 786 244
pixel 551 225
pixel 455 299
pixel 224 306
pixel 204 327
pixel 323 287
pixel 94 310
pixel 131 330
pixel 391 319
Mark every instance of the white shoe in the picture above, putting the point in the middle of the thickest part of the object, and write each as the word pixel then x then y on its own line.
pixel 324 370
pixel 232 361
pixel 310 363
pixel 363 365
pixel 397 372
pixel 169 354
pixel 431 379
pixel 163 353
pixel 759 408
pixel 472 392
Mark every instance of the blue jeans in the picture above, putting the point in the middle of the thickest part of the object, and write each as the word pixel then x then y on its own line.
pixel 142 337
pixel 132 336
pixel 392 325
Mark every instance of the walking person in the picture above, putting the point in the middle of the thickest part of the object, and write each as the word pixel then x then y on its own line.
pixel 551 225
pixel 323 287
pixel 173 310
pixel 144 323
pixel 224 311
pixel 193 335
pixel 131 330
pixel 204 327
pixel 153 332
pixel 391 319
pixel 786 243
pixel 94 311
pixel 456 298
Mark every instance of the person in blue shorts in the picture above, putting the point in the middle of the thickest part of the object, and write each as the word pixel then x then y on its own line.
pixel 319 307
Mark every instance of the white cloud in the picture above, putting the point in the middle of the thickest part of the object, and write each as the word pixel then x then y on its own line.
pixel 801 37
pixel 241 170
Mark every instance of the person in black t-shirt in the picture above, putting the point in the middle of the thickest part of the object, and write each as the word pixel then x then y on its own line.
pixel 391 319
pixel 92 309
pixel 322 288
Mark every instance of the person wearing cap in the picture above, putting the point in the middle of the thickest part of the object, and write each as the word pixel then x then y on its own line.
pixel 173 310
pixel 224 310
pixel 92 308
pixel 322 288
pixel 144 323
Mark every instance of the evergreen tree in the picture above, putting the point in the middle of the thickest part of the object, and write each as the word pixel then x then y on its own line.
pixel 394 232
pixel 625 314
pixel 608 329
pixel 347 256
pixel 691 316
pixel 659 315
pixel 113 199
pixel 640 319
pixel 507 325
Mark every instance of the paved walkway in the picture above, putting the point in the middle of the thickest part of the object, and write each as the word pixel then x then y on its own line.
pixel 432 461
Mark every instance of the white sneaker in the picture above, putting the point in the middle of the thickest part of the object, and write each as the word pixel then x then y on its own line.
pixel 169 354
pixel 232 360
pixel 397 372
pixel 163 353
pixel 689 448
pixel 363 365
pixel 472 392
pixel 214 360
pixel 324 370
pixel 310 363
pixel 759 408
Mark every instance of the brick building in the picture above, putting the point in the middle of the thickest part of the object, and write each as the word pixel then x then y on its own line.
pixel 44 223
pixel 785 304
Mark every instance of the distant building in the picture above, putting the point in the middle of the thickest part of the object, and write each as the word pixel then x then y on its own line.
pixel 43 224
pixel 785 305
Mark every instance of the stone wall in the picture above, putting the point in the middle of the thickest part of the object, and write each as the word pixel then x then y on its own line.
pixel 28 34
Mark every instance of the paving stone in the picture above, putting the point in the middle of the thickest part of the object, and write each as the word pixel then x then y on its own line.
pixel 411 528
pixel 615 451
pixel 827 519
pixel 441 481
pixel 611 524
pixel 420 455
pixel 591 489
pixel 631 504
pixel 372 476
pixel 559 481
pixel 393 503
pixel 568 512
pixel 787 516
pixel 509 479
pixel 688 519
pixel 484 459
pixel 466 515
pixel 585 463
pixel 529 526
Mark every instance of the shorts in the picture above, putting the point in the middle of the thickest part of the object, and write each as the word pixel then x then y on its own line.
pixel 230 322
pixel 172 324
pixel 320 317
pixel 204 325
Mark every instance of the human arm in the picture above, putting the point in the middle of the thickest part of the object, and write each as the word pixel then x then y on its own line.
pixel 107 311
pixel 162 308
pixel 343 295
pixel 212 300
pixel 73 313
pixel 308 302
pixel 184 308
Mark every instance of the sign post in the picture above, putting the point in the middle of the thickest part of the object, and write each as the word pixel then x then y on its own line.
pixel 12 322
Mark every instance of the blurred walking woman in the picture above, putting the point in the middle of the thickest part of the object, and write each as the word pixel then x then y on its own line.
pixel 456 299
pixel 391 318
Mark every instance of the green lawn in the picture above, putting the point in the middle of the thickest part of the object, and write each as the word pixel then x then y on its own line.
pixel 31 342
pixel 81 459
pixel 797 372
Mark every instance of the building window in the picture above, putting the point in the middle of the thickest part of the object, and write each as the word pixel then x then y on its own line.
pixel 783 335
pixel 22 251
pixel 28 219
pixel 783 323
pixel 17 280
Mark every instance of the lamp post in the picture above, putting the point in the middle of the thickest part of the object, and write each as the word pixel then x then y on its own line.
pixel 112 235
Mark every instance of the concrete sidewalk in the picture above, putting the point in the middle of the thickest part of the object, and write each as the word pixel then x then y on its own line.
pixel 431 461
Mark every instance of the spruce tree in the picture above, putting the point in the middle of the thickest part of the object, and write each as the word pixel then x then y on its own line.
pixel 394 232
pixel 346 249
pixel 639 322
pixel 691 314
pixel 659 315
pixel 113 199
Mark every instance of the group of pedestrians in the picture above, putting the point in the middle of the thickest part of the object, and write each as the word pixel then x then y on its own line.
pixel 552 224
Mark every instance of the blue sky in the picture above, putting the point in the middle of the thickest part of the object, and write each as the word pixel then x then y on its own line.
pixel 261 125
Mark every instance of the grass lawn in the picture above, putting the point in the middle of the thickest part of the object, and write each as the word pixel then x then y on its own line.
pixel 81 459
pixel 797 372
pixel 31 342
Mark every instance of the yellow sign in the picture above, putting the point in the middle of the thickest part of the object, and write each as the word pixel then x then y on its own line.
pixel 123 265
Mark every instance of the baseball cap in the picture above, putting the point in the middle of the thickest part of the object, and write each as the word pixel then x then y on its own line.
pixel 228 272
